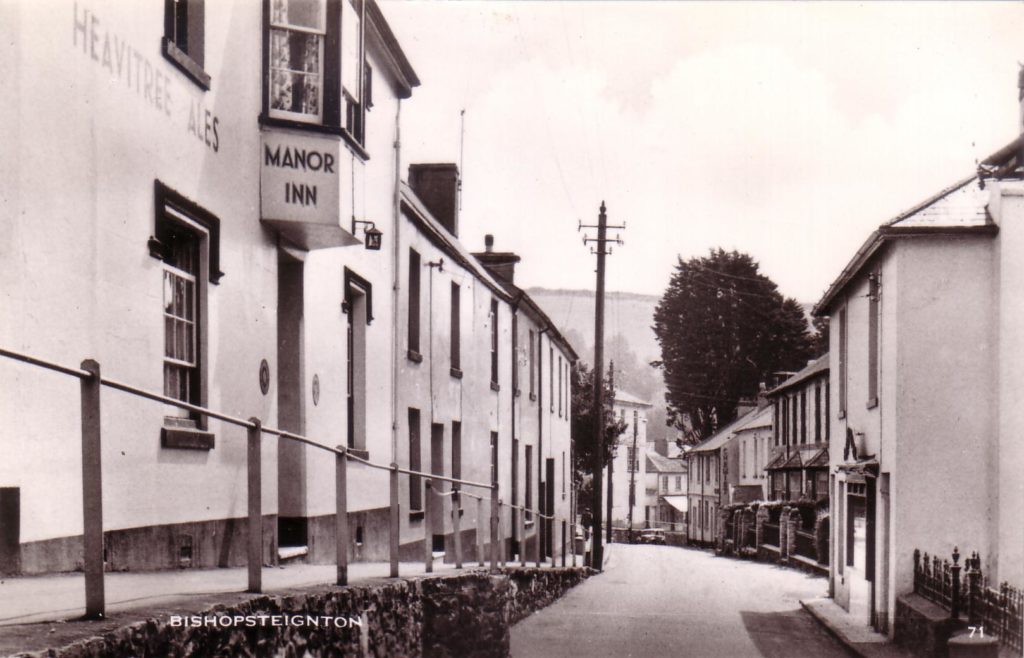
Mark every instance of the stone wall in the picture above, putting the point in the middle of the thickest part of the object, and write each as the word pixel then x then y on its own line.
pixel 468 614
pixel 922 626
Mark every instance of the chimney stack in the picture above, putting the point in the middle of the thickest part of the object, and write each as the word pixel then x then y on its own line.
pixel 1020 98
pixel 437 185
pixel 500 264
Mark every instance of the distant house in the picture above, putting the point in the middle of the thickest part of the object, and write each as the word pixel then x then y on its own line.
pixel 798 466
pixel 753 439
pixel 712 471
pixel 665 505
pixel 629 468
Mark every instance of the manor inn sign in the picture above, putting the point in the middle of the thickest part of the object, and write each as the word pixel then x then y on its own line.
pixel 299 189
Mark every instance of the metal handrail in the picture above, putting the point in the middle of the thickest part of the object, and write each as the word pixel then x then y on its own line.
pixel 91 382
pixel 248 424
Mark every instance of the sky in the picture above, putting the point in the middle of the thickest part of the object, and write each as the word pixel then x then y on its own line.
pixel 788 131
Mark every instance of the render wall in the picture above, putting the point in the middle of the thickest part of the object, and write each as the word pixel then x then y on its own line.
pixel 84 140
pixel 946 401
pixel 1007 209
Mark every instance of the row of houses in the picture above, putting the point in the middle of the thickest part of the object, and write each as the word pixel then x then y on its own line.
pixel 210 199
pixel 907 433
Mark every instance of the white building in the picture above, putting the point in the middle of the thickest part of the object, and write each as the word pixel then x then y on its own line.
pixel 220 167
pixel 629 467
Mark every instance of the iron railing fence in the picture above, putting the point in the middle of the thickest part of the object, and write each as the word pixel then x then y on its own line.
pixel 997 610
pixel 92 381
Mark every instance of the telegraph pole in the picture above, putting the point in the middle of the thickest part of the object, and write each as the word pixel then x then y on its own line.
pixel 597 554
pixel 610 468
pixel 634 464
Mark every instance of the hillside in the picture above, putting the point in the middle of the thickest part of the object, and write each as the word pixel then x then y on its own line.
pixel 630 315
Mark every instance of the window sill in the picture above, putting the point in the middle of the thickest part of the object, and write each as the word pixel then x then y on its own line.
pixel 181 438
pixel 337 131
pixel 841 415
pixel 495 387
pixel 872 403
pixel 533 397
pixel 415 516
pixel 455 372
pixel 191 68
pixel 414 356
pixel 528 524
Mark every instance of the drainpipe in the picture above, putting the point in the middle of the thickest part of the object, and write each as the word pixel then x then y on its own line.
pixel 394 285
pixel 541 491
pixel 515 392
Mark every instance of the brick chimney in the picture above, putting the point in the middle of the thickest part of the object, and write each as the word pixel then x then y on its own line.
pixel 501 264
pixel 1020 98
pixel 437 186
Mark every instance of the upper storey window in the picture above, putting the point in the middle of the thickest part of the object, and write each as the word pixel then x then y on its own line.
pixel 316 65
pixel 297 35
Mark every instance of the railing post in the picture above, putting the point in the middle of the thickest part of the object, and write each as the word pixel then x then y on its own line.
pixel 522 536
pixel 394 528
pixel 554 528
pixel 341 538
pixel 92 493
pixel 428 535
pixel 973 580
pixel 563 542
pixel 954 612
pixel 538 523
pixel 494 526
pixel 254 494
pixel 501 533
pixel 457 527
pixel 480 531
pixel 572 527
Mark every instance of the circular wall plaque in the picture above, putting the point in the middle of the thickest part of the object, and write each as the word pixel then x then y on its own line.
pixel 264 376
pixel 316 390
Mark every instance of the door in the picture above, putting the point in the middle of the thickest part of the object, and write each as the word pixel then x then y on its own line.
pixel 549 496
pixel 435 501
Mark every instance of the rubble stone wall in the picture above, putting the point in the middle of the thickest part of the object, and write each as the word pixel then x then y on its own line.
pixel 468 614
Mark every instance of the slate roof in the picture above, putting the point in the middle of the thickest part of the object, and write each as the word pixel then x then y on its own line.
pixel 815 367
pixel 662 464
pixel 625 397
pixel 722 436
pixel 961 208
pixel 763 418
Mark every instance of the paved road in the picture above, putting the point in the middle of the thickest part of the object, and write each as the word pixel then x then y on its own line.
pixel 668 601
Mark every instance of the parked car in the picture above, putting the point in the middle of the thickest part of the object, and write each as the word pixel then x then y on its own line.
pixel 652 536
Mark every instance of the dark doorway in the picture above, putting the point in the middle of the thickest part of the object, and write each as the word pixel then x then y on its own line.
pixel 10 530
pixel 549 497
pixel 435 501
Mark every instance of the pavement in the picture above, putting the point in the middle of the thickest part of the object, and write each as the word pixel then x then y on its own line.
pixel 858 637
pixel 61 597
pixel 669 601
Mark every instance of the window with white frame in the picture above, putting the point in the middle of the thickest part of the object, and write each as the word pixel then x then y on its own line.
pixel 181 317
pixel 186 241
pixel 298 30
pixel 316 71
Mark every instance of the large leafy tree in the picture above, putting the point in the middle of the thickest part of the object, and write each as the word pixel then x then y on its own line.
pixel 583 435
pixel 724 328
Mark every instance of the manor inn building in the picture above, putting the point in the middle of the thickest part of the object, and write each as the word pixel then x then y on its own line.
pixel 207 198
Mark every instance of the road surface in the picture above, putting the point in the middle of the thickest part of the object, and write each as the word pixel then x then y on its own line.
pixel 669 601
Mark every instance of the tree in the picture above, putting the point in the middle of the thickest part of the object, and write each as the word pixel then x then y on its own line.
pixel 583 436
pixel 724 329
pixel 820 337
